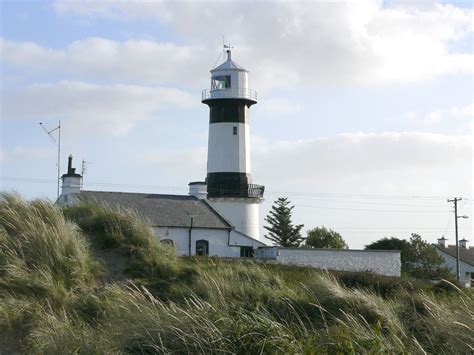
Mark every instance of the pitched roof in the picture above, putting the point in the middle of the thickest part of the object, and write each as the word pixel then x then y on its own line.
pixel 465 254
pixel 229 64
pixel 162 210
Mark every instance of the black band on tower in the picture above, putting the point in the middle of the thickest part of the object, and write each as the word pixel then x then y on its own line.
pixel 228 110
pixel 230 184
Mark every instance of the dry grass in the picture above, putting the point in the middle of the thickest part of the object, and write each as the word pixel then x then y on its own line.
pixel 50 302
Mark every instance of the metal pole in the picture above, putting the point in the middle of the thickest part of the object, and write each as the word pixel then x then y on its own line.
pixel 458 274
pixel 190 231
pixel 58 128
pixel 59 154
pixel 455 200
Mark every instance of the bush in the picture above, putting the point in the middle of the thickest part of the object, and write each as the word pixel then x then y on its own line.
pixel 41 253
pixel 123 229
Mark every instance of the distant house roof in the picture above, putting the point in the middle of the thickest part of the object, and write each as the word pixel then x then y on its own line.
pixel 465 254
pixel 162 210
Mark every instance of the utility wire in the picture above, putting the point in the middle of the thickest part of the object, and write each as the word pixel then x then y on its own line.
pixel 366 210
pixel 295 194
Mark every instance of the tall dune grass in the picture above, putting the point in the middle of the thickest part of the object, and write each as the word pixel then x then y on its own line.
pixel 41 253
pixel 48 304
pixel 122 229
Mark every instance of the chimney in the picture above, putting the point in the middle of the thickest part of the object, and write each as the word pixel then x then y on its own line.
pixel 71 181
pixel 442 242
pixel 463 243
pixel 198 189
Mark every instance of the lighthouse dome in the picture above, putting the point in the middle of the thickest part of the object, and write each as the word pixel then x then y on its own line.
pixel 229 64
pixel 229 81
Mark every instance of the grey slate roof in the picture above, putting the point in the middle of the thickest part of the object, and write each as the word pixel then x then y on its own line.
pixel 465 254
pixel 162 210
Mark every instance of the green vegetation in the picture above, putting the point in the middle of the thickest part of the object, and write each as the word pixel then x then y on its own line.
pixel 280 226
pixel 113 288
pixel 418 257
pixel 322 237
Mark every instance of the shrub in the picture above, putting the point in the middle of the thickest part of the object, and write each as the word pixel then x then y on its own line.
pixel 122 229
pixel 41 253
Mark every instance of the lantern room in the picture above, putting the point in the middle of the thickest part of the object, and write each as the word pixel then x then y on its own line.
pixel 229 81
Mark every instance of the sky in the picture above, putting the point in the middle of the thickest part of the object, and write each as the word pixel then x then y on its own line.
pixel 364 120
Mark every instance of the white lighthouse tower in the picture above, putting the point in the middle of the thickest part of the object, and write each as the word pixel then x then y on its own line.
pixel 229 182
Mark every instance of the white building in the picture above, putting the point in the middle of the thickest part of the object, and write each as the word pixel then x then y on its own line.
pixel 187 222
pixel 466 259
pixel 220 216
pixel 229 181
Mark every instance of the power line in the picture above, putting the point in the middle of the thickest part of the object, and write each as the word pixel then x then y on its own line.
pixel 306 196
pixel 362 228
pixel 366 210
pixel 268 192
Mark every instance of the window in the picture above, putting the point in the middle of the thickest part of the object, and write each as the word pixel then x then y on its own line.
pixel 202 247
pixel 246 252
pixel 220 82
pixel 234 130
pixel 167 242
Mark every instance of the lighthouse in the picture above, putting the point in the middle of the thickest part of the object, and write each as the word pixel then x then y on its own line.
pixel 229 181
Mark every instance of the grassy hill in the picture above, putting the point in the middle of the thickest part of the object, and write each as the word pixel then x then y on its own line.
pixel 92 280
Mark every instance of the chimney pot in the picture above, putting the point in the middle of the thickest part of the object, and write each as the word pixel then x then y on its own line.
pixel 198 189
pixel 442 242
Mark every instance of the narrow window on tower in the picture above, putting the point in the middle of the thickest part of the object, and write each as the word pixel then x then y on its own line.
pixel 234 130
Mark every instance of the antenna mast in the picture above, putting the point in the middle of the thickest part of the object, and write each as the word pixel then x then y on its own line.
pixel 58 128
pixel 83 170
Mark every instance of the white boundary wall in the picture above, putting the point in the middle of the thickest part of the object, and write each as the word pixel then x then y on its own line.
pixel 382 262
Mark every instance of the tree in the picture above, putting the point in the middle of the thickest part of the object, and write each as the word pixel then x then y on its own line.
pixel 321 237
pixel 281 229
pixel 393 244
pixel 424 261
pixel 418 257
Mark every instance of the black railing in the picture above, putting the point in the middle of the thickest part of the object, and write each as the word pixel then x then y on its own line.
pixel 236 190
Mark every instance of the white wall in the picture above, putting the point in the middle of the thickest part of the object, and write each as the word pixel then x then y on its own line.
pixel 380 262
pixel 228 152
pixel 241 212
pixel 71 185
pixel 242 240
pixel 218 240
pixel 465 269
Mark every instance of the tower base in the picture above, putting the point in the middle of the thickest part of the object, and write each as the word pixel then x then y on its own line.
pixel 241 212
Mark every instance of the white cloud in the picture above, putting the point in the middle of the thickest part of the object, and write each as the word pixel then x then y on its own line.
pixel 357 155
pixel 29 153
pixel 142 61
pixel 388 164
pixel 276 107
pixel 92 108
pixel 320 43
pixel 443 115
pixel 191 166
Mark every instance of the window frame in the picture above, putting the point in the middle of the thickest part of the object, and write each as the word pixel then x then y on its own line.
pixel 205 243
